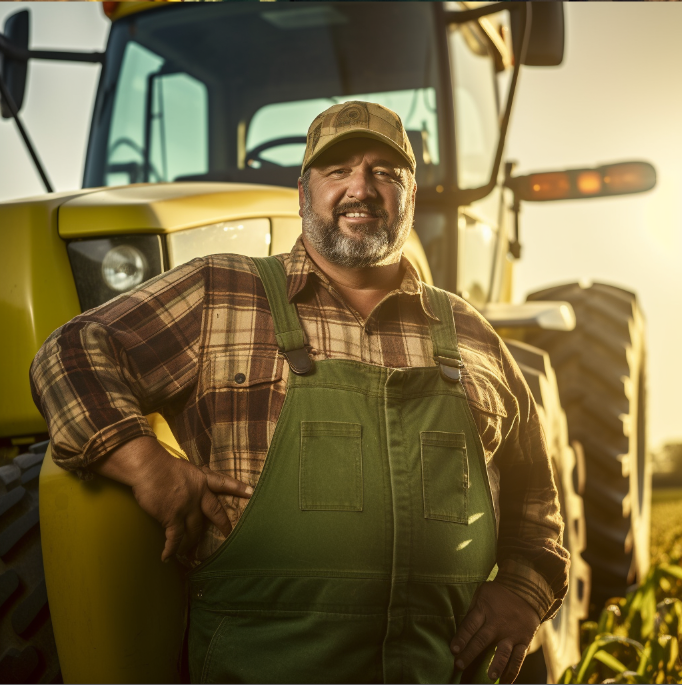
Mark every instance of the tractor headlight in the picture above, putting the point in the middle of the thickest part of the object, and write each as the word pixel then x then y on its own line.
pixel 246 237
pixel 106 267
pixel 123 267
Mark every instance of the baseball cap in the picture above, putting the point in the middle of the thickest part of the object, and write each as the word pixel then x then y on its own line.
pixel 357 119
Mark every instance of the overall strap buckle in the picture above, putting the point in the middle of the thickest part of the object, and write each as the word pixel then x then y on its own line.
pixel 444 335
pixel 288 330
pixel 450 368
pixel 299 361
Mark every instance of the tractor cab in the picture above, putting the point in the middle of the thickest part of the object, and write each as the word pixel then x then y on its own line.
pixel 226 92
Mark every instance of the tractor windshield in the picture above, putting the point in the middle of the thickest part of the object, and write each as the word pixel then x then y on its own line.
pixel 226 92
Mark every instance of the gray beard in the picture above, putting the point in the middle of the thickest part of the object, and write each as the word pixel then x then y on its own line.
pixel 368 247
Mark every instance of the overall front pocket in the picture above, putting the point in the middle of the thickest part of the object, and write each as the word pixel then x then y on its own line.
pixel 330 472
pixel 445 476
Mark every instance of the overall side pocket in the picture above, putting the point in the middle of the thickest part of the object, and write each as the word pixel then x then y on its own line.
pixel 445 476
pixel 330 472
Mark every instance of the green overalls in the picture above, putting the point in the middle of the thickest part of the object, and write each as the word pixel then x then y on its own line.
pixel 369 530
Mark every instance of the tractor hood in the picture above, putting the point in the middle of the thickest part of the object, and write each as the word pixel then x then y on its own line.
pixel 169 207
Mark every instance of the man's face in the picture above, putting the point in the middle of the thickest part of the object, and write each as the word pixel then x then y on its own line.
pixel 357 204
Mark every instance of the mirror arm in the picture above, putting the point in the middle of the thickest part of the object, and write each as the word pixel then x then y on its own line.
pixel 515 244
pixel 466 197
pixel 22 55
pixel 7 99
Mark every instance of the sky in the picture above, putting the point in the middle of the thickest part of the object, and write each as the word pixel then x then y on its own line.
pixel 618 96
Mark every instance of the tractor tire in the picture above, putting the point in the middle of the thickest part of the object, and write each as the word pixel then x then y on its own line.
pixel 600 366
pixel 28 653
pixel 560 636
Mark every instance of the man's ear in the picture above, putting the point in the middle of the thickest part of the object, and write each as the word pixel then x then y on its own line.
pixel 301 198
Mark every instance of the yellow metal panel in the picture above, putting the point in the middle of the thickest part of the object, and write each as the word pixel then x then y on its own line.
pixel 165 436
pixel 167 207
pixel 414 251
pixel 118 611
pixel 507 289
pixel 37 295
pixel 285 232
pixel 123 9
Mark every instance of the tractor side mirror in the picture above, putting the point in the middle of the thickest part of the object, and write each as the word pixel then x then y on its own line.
pixel 546 40
pixel 13 69
pixel 623 178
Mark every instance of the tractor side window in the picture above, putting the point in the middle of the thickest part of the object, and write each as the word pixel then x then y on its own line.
pixel 125 150
pixel 179 125
pixel 476 106
pixel 277 132
pixel 159 123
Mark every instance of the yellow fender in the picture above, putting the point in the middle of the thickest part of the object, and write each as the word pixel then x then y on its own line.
pixel 118 612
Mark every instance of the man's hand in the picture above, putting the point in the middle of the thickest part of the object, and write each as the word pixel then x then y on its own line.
pixel 500 618
pixel 176 493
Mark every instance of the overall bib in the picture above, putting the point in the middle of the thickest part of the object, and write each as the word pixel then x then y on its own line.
pixel 369 530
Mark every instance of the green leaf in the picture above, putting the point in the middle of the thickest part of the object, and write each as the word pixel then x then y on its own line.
pixel 628 677
pixel 609 619
pixel 568 676
pixel 675 571
pixel 610 661
pixel 645 660
pixel 674 654
pixel 601 642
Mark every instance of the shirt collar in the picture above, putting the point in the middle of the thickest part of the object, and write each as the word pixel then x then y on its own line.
pixel 299 268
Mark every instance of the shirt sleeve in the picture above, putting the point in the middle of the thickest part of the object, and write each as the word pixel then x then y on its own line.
pixel 531 559
pixel 95 378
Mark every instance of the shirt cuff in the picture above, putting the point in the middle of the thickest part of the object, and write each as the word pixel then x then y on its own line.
pixel 531 586
pixel 102 443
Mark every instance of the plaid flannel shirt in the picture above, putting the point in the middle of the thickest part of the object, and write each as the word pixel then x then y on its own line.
pixel 175 344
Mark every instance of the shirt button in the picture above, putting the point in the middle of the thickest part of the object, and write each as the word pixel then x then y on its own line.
pixel 240 378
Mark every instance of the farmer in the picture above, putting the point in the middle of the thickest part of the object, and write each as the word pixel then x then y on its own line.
pixel 404 454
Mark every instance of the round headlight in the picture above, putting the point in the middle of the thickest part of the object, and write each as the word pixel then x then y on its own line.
pixel 123 268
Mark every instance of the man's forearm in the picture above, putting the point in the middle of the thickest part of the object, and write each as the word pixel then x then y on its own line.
pixel 130 462
pixel 96 377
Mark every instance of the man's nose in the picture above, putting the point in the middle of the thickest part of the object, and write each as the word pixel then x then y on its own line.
pixel 361 185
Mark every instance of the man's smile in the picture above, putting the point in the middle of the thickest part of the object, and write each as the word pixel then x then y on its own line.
pixel 358 218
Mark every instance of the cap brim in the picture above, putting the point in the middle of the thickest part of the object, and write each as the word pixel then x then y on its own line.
pixel 359 133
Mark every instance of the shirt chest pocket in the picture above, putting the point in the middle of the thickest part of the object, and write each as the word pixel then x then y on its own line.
pixel 241 370
pixel 240 397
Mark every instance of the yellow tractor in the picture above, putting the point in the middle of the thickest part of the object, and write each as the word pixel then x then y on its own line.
pixel 195 147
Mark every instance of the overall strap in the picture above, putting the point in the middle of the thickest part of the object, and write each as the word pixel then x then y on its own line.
pixel 444 333
pixel 288 331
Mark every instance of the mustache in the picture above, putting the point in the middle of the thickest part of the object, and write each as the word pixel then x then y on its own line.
pixel 369 207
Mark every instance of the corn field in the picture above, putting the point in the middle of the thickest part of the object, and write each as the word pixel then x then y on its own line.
pixel 637 638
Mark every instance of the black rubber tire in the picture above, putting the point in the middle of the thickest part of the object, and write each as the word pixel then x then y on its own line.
pixel 559 637
pixel 27 648
pixel 600 367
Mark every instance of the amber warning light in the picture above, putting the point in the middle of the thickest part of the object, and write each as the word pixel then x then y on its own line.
pixel 622 178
